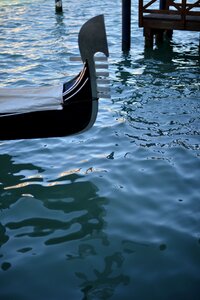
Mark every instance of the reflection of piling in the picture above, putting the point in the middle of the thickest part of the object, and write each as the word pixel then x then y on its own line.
pixel 126 25
pixel 58 4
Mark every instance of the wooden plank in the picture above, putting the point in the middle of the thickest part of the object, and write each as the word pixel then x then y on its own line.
pixel 176 16
pixel 166 25
pixel 163 17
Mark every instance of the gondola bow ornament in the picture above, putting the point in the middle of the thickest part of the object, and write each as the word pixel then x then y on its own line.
pixel 63 110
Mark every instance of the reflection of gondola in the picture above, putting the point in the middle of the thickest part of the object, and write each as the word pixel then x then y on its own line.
pixel 57 111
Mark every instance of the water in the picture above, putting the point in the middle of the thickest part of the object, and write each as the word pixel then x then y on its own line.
pixel 113 213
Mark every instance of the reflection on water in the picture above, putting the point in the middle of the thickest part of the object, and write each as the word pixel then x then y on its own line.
pixel 3 236
pixel 35 215
pixel 105 283
pixel 161 104
pixel 113 212
pixel 81 209
pixel 84 214
pixel 10 176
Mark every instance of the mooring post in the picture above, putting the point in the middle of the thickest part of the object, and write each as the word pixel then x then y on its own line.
pixel 163 4
pixel 58 4
pixel 160 33
pixel 126 25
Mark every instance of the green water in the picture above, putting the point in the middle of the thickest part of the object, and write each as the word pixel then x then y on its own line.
pixel 113 213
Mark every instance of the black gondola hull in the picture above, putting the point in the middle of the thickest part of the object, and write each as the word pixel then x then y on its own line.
pixel 75 116
pixel 44 124
pixel 29 114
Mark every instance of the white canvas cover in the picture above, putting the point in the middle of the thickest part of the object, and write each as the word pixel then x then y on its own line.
pixel 21 100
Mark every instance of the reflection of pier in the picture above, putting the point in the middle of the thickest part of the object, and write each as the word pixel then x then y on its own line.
pixel 159 18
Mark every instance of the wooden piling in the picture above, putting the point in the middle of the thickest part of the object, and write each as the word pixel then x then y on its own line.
pixel 58 6
pixel 126 25
pixel 163 4
pixel 170 16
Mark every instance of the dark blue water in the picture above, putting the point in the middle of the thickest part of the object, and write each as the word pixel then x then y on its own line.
pixel 113 213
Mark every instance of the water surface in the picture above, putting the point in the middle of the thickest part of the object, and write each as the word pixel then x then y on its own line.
pixel 113 213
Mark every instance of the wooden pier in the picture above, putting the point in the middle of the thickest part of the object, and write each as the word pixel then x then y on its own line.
pixel 160 17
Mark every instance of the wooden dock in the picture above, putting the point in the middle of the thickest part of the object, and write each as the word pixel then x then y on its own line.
pixel 160 18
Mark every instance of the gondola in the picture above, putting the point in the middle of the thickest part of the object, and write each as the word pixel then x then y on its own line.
pixel 70 108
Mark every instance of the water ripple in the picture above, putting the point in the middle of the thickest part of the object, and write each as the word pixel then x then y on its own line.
pixel 106 213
